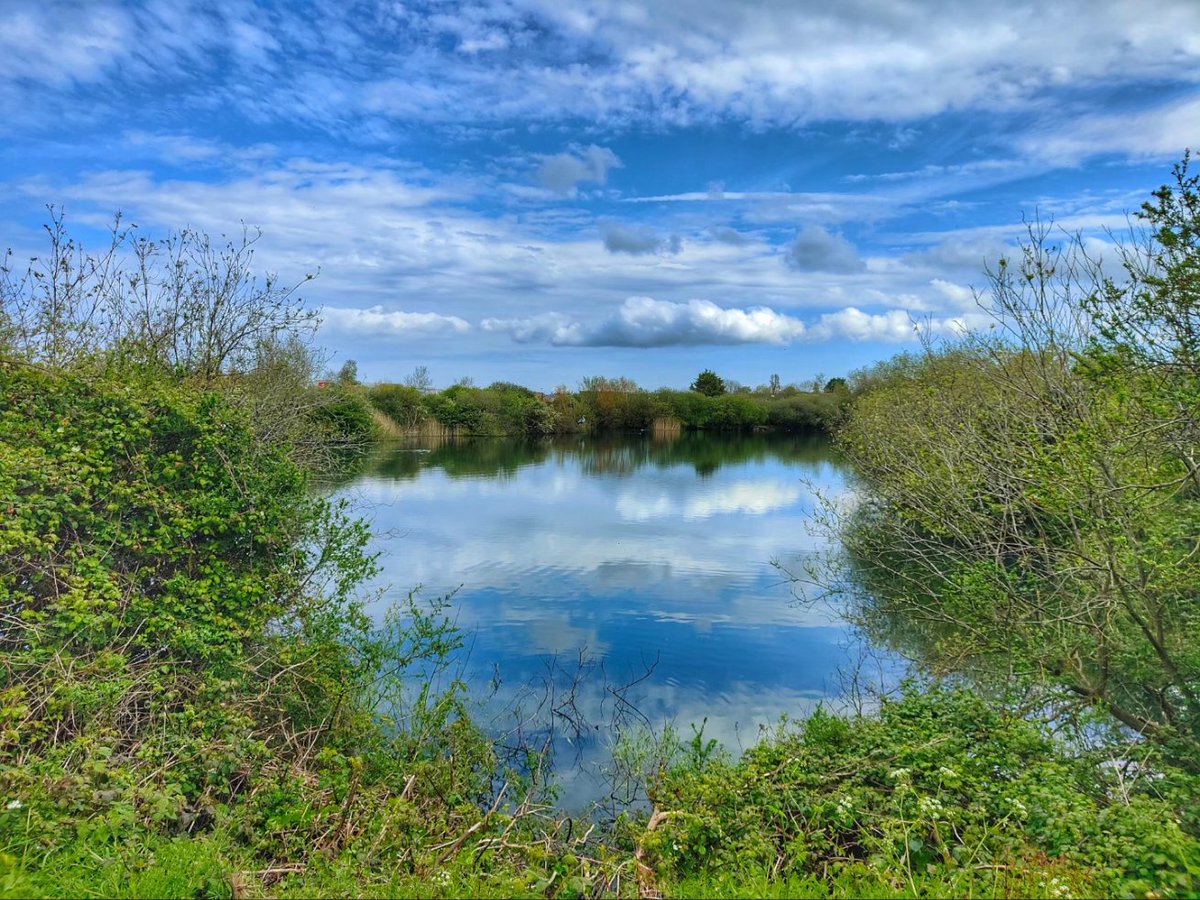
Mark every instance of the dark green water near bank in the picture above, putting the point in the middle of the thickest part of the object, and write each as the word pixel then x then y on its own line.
pixel 629 557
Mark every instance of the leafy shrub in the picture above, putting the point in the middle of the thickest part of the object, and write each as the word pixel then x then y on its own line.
pixel 939 786
pixel 399 402
pixel 345 416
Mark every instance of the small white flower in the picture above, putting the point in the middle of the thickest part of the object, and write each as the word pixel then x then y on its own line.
pixel 898 774
pixel 14 804
pixel 931 806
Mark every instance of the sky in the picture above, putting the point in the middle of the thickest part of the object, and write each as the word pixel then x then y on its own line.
pixel 543 190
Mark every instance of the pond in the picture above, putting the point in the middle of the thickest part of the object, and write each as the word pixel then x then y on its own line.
pixel 618 579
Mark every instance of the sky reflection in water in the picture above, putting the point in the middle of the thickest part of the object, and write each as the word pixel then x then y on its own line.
pixel 630 552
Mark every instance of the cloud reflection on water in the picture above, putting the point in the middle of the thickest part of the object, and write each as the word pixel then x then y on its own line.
pixel 630 553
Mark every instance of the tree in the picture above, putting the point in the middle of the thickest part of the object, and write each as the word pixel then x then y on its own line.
pixel 835 384
pixel 420 379
pixel 774 385
pixel 184 300
pixel 347 375
pixel 709 383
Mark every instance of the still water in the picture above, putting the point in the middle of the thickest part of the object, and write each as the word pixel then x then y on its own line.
pixel 582 564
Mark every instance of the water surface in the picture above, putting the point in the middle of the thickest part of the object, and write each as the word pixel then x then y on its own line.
pixel 631 556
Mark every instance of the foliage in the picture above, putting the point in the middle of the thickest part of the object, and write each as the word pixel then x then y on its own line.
pixel 1030 500
pixel 182 300
pixel 399 402
pixel 937 795
pixel 709 383
pixel 345 416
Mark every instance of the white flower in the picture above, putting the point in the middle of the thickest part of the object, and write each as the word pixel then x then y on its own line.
pixel 1017 806
pixel 898 774
pixel 14 804
pixel 931 806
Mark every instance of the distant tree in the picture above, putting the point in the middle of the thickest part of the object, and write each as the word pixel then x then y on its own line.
pixel 816 381
pixel 466 381
pixel 835 384
pixel 420 379
pixel 600 383
pixel 774 385
pixel 709 383
pixel 348 374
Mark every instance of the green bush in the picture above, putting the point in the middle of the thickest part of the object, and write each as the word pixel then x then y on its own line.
pixel 344 416
pixel 402 404
pixel 939 789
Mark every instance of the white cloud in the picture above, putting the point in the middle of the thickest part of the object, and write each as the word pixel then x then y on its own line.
pixel 769 63
pixel 378 322
pixel 894 326
pixel 646 322
pixel 958 294
pixel 1164 130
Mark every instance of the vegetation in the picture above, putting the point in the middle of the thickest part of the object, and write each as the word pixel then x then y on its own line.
pixel 709 383
pixel 193 701
pixel 1031 500
pixel 605 405
pixel 939 794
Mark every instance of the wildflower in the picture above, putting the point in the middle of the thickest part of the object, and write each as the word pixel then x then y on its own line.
pixel 898 774
pixel 931 806
pixel 14 804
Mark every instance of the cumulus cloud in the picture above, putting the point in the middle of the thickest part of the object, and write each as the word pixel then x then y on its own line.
pixel 639 241
pixel 562 173
pixel 958 294
pixel 378 322
pixel 646 322
pixel 817 250
pixel 893 326
pixel 547 328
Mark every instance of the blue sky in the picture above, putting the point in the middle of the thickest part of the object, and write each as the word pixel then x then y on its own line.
pixel 540 190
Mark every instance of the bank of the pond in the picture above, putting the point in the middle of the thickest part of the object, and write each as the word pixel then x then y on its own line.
pixel 192 705
pixel 602 406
